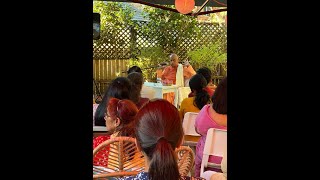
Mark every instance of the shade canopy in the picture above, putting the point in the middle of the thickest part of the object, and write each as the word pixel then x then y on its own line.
pixel 214 3
pixel 160 4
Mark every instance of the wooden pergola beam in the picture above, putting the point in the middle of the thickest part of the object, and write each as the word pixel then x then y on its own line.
pixel 154 5
pixel 176 11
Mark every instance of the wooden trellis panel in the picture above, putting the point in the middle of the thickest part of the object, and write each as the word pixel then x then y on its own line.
pixel 116 46
pixel 124 43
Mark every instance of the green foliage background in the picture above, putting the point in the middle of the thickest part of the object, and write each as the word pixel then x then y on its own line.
pixel 167 29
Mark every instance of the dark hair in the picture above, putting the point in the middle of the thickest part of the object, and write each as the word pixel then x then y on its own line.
pixel 219 98
pixel 206 73
pixel 197 84
pixel 158 132
pixel 137 82
pixel 134 69
pixel 125 110
pixel 119 88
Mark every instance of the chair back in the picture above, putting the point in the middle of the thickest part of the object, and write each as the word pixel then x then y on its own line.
pixel 189 120
pixel 185 160
pixel 216 144
pixel 118 156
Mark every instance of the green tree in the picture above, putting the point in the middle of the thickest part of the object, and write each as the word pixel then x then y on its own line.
pixel 164 32
pixel 168 29
pixel 218 17
pixel 113 14
pixel 113 17
pixel 212 56
pixel 149 57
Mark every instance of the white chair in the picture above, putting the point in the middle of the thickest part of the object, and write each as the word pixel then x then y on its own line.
pixel 188 127
pixel 188 123
pixel 216 144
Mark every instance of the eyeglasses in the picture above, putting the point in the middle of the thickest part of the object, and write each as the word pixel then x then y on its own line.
pixel 106 116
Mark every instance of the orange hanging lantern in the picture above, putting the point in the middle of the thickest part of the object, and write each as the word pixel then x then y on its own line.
pixel 184 6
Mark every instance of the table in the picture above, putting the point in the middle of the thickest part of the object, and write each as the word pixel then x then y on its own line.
pixel 160 90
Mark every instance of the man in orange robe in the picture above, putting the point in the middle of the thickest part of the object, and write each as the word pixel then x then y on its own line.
pixel 169 74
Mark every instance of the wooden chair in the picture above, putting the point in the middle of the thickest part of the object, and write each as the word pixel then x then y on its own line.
pixel 117 157
pixel 185 160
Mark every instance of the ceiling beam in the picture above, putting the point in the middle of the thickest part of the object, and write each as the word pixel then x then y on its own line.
pixel 176 11
pixel 211 3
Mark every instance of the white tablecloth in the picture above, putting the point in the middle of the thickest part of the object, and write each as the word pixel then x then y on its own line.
pixel 159 90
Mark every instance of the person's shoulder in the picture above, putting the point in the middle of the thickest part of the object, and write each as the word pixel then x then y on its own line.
pixel 189 99
pixel 99 139
pixel 143 99
pixel 191 94
pixel 204 110
pixel 206 106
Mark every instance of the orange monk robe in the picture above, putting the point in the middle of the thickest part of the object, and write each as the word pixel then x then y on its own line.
pixel 188 72
pixel 169 73
pixel 159 72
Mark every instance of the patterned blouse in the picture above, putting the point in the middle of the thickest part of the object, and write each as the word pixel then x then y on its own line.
pixel 145 176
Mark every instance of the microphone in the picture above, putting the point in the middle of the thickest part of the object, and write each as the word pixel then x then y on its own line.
pixel 185 62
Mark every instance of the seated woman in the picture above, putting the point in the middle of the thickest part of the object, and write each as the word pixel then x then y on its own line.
pixel 206 73
pixel 119 118
pixel 201 97
pixel 194 104
pixel 158 132
pixel 211 116
pixel 137 82
pixel 145 92
pixel 119 88
pixel 134 69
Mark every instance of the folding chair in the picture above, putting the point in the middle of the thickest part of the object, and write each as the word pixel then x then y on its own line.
pixel 189 129
pixel 216 143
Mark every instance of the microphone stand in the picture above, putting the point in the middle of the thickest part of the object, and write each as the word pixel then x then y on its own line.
pixel 98 92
